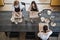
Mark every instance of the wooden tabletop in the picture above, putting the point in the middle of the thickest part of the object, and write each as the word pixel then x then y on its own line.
pixel 41 26
pixel 33 14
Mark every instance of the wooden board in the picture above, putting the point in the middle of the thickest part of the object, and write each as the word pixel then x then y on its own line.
pixel 33 14
pixel 41 26
pixel 1 2
pixel 55 2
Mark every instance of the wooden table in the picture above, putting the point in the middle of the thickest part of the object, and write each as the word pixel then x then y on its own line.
pixel 41 26
pixel 33 14
pixel 55 3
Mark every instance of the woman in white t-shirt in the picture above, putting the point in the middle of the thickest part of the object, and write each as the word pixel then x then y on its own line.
pixel 44 35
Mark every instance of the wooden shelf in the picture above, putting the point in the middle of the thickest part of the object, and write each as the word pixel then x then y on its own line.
pixel 55 2
pixel 1 2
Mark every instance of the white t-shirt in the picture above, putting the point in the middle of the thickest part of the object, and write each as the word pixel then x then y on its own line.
pixel 21 6
pixel 44 36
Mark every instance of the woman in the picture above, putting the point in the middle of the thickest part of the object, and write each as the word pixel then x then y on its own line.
pixel 44 35
pixel 33 6
pixel 16 6
pixel 16 15
pixel 33 10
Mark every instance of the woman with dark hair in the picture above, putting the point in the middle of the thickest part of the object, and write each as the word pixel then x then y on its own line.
pixel 33 11
pixel 33 6
pixel 45 28
pixel 44 35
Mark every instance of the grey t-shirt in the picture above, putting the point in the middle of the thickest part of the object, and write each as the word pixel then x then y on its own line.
pixel 25 14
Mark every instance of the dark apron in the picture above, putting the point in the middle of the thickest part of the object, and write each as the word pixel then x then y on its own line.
pixel 17 9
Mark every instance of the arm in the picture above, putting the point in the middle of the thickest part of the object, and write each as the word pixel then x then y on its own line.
pixel 50 32
pixel 39 34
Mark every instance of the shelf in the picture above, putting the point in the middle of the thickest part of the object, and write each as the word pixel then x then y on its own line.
pixel 1 2
pixel 55 2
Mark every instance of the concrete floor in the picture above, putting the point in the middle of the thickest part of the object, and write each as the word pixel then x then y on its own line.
pixel 4 37
pixel 22 37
